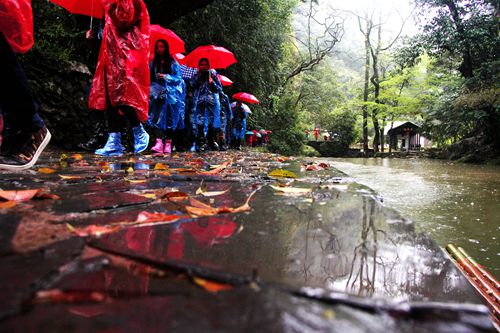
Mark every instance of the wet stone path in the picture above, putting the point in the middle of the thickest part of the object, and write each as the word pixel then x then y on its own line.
pixel 217 242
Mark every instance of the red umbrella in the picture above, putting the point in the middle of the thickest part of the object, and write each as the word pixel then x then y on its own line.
pixel 218 56
pixel 224 80
pixel 179 57
pixel 175 43
pixel 245 97
pixel 84 7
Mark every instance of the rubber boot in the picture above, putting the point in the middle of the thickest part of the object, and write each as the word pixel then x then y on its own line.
pixel 158 147
pixel 141 139
pixel 113 146
pixel 167 148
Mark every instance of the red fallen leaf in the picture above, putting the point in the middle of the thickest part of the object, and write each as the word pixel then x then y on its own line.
pixel 198 204
pixel 46 195
pixel 157 217
pixel 197 211
pixel 8 204
pixel 21 195
pixel 201 209
pixel 176 196
pixel 324 165
pixel 312 167
pixel 59 296
pixel 211 286
pixel 217 170
pixel 280 159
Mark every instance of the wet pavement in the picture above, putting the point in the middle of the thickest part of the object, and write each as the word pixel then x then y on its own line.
pixel 217 242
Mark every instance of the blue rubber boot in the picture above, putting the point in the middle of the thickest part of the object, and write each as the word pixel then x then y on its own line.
pixel 113 146
pixel 141 139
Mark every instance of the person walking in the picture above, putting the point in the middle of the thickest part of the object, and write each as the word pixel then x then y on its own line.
pixel 121 80
pixel 167 98
pixel 25 135
pixel 206 104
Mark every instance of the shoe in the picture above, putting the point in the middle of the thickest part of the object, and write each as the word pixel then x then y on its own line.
pixel 193 148
pixel 141 139
pixel 158 147
pixel 113 146
pixel 167 149
pixel 25 150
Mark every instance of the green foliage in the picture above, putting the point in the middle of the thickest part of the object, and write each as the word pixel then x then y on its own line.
pixel 341 124
pixel 286 138
pixel 58 34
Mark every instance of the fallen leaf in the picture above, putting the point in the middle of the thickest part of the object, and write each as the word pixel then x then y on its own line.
pixel 130 170
pixel 77 157
pixel 203 191
pixel 92 230
pixel 21 195
pixel 59 296
pixel 8 204
pixel 63 157
pixel 149 195
pixel 282 173
pixel 136 181
pixel 46 170
pixel 199 208
pixel 157 217
pixel 217 170
pixel 340 187
pixel 280 159
pixel 211 286
pixel 198 204
pixel 176 196
pixel 160 166
pixel 291 190
pixel 70 177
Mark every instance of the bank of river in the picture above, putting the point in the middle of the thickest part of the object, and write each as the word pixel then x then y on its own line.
pixel 454 203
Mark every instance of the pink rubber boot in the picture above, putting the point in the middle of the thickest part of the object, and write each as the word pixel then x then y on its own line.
pixel 167 148
pixel 158 147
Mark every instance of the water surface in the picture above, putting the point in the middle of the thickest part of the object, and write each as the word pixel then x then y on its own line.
pixel 454 203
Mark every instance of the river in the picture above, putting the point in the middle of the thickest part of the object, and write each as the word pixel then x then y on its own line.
pixel 454 203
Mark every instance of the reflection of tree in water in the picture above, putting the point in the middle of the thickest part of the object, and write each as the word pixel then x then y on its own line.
pixel 364 262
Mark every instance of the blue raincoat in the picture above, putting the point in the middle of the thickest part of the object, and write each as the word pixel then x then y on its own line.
pixel 226 113
pixel 239 123
pixel 206 104
pixel 167 99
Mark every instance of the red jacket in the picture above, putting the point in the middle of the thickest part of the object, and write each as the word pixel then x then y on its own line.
pixel 122 72
pixel 16 24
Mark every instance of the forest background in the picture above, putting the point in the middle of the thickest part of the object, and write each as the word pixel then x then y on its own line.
pixel 310 68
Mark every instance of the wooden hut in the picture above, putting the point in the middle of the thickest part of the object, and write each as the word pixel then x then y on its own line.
pixel 405 136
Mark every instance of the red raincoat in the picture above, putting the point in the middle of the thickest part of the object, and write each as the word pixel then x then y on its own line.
pixel 16 24
pixel 122 73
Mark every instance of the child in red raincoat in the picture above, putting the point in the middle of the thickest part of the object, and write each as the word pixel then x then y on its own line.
pixel 121 80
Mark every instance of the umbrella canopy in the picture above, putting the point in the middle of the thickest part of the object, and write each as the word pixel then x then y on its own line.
pixel 218 56
pixel 245 97
pixel 243 105
pixel 175 43
pixel 92 8
pixel 224 80
pixel 179 57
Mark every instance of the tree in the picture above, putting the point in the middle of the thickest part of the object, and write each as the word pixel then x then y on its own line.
pixel 463 35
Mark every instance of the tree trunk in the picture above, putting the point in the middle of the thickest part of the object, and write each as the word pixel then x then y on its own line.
pixel 366 86
pixel 375 79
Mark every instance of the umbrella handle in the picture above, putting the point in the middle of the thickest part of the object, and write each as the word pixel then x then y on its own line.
pixel 91 17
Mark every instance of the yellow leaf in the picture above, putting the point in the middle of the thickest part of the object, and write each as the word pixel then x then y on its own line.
pixel 149 195
pixel 63 157
pixel 160 166
pixel 282 173
pixel 70 177
pixel 211 286
pixel 291 190
pixel 46 170
pixel 136 181
pixel 213 193
pixel 130 170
